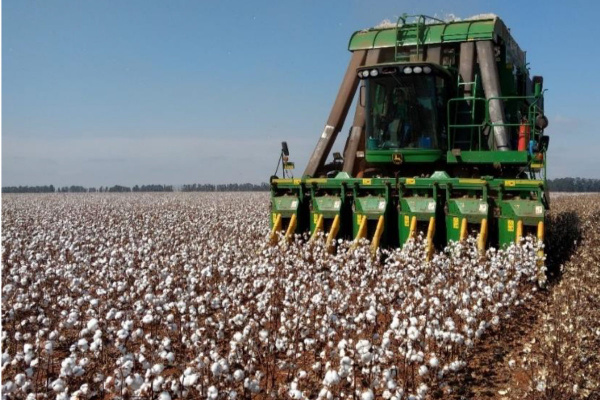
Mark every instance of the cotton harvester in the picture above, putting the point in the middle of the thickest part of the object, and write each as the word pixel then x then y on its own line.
pixel 447 139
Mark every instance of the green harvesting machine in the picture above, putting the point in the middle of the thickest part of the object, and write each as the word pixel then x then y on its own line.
pixel 447 139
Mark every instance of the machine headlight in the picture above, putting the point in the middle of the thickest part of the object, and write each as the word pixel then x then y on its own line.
pixel 427 69
pixel 374 73
pixel 407 70
pixel 417 70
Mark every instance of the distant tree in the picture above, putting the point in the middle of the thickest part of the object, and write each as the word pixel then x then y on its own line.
pixel 77 189
pixel 119 189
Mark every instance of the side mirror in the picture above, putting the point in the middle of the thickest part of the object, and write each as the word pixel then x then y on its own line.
pixel 284 149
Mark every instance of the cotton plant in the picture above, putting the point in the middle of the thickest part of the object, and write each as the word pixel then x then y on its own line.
pixel 180 295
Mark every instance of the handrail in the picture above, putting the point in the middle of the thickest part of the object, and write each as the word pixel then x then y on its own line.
pixel 533 112
pixel 421 20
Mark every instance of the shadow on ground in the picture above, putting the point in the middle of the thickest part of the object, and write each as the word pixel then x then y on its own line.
pixel 563 235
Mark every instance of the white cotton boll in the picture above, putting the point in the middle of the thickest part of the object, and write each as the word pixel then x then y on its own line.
pixel 252 385
pixel 331 378
pixel 148 318
pixel 456 365
pixel 109 383
pixel 413 333
pixel 96 344
pixel 135 382
pixel 66 366
pixel 164 396
pixel 157 369
pixel 422 390
pixel 363 346
pixel 6 358
pixel 367 395
pixel 238 375
pixel 8 387
pixel 512 363
pixel 189 378
pixel 212 393
pixel 78 371
pixel 216 369
pixel 263 334
pixel 92 324
pixel 157 383
pixel 385 343
pixel 84 389
pixel 295 394
pixel 423 370
pixel 58 385
pixel 82 344
pixel 175 387
pixel 371 314
pixel 434 362
pixel 20 379
pixel 325 394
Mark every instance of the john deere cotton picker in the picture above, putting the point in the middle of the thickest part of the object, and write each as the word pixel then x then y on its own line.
pixel 447 138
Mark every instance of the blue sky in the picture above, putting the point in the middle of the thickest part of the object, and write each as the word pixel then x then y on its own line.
pixel 132 92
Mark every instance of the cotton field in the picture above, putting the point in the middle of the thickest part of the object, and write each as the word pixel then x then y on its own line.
pixel 176 295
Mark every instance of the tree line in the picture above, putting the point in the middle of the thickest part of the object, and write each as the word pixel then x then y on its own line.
pixel 574 185
pixel 230 187
pixel 555 185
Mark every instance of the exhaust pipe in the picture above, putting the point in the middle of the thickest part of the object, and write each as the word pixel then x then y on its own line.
pixel 491 87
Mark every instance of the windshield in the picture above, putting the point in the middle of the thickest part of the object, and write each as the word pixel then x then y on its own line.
pixel 405 111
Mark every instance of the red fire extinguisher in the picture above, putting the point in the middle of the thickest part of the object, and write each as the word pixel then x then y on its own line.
pixel 524 132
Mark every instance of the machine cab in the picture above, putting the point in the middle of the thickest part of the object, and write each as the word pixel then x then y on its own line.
pixel 405 106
